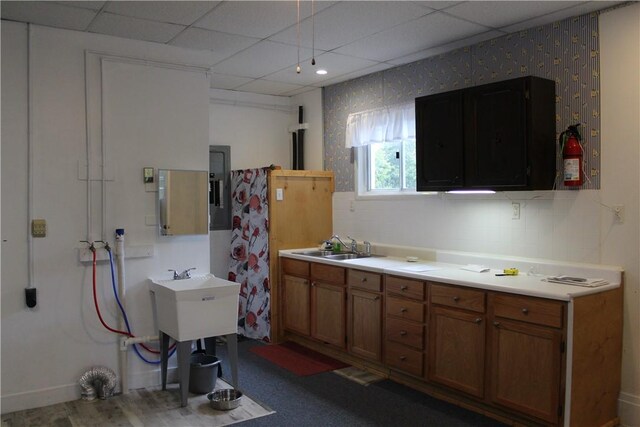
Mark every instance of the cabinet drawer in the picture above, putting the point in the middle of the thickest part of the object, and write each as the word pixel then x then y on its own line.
pixel 455 296
pixel 529 309
pixel 404 358
pixel 406 287
pixel 410 310
pixel 327 273
pixel 404 332
pixel 295 267
pixel 364 280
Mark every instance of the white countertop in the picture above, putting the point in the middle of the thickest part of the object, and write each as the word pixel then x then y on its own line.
pixel 446 272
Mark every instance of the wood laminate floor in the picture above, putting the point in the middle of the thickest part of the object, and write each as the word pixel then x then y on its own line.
pixel 143 407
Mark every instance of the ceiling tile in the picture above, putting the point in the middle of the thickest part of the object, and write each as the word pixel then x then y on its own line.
pixel 355 74
pixel 134 28
pixel 429 31
pixel 268 88
pixel 223 45
pixel 47 13
pixel 175 12
pixel 486 12
pixel 221 81
pixel 349 21
pixel 437 5
pixel 250 18
pixel 335 64
pixel 262 59
pixel 446 47
pixel 93 5
pixel 299 91
pixel 576 10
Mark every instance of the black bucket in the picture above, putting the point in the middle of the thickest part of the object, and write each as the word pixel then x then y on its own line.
pixel 203 371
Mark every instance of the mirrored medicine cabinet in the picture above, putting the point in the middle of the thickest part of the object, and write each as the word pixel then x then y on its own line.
pixel 183 202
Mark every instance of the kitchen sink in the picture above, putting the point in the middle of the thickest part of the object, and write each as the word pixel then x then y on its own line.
pixel 338 256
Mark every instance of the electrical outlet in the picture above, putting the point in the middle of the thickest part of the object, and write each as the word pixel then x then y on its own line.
pixel 38 228
pixel 618 212
pixel 515 213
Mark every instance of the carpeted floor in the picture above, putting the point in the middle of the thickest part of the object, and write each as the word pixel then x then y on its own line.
pixel 327 399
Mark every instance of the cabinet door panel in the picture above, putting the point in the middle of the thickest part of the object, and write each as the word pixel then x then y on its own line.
pixel 296 304
pixel 526 363
pixel 439 142
pixel 457 348
pixel 365 314
pixel 328 313
pixel 496 146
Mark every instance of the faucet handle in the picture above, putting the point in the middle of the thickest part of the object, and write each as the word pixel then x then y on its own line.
pixel 186 274
pixel 354 244
pixel 175 274
pixel 367 247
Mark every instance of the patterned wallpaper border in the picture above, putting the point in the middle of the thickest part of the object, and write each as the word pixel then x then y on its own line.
pixel 566 51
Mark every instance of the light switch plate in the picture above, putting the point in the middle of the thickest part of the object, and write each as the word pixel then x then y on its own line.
pixel 279 194
pixel 38 228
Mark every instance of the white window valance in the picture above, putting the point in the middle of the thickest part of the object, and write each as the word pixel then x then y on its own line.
pixel 387 124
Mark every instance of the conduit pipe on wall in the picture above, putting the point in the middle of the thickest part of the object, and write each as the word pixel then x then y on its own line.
pixel 123 359
pixel 88 143
pixel 30 267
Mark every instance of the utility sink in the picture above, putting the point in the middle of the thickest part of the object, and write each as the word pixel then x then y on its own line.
pixel 198 307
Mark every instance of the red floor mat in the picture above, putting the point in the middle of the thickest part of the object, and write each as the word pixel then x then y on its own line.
pixel 297 359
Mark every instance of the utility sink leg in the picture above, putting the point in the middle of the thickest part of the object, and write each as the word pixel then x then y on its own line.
pixel 232 349
pixel 164 356
pixel 184 356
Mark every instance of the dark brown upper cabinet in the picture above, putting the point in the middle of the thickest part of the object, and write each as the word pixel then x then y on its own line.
pixel 499 136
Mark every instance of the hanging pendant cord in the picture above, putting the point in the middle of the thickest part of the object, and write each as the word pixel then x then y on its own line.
pixel 313 33
pixel 298 36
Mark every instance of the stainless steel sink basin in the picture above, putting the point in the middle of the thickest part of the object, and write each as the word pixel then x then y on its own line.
pixel 339 256
pixel 314 253
pixel 345 256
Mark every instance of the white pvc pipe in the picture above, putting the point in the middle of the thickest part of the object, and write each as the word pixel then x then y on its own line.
pixel 123 359
pixel 137 340
pixel 88 143
pixel 30 266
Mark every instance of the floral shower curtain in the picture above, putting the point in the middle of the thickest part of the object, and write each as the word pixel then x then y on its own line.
pixel 249 261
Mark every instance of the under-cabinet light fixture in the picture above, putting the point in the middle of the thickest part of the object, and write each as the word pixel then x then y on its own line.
pixel 471 192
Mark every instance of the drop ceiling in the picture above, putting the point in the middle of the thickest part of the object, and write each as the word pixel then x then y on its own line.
pixel 254 46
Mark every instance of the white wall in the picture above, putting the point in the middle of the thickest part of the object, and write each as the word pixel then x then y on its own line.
pixel 256 128
pixel 153 116
pixel 563 225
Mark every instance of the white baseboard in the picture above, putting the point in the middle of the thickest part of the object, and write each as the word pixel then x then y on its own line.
pixel 629 410
pixel 65 393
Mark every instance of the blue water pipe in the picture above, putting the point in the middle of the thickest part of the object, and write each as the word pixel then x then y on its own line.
pixel 124 314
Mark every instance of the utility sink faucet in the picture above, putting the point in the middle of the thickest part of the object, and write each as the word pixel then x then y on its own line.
pixel 184 275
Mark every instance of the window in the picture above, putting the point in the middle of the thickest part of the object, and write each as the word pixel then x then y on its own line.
pixel 391 166
pixel 386 149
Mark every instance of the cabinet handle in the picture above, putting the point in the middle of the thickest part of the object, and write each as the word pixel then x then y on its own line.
pixel 403 358
pixel 496 324
pixel 404 288
pixel 403 310
pixel 364 279
pixel 313 284
pixel 376 298
pixel 403 333
pixel 525 311
pixel 478 320
pixel 456 299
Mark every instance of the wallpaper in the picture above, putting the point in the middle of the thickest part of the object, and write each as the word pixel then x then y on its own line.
pixel 564 51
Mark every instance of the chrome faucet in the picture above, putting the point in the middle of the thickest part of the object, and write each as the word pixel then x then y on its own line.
pixel 354 244
pixel 367 248
pixel 184 275
pixel 335 236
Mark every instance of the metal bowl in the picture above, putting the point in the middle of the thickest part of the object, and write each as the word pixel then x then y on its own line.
pixel 225 399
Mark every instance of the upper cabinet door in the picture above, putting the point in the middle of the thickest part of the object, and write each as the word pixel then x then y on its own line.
pixel 496 154
pixel 440 142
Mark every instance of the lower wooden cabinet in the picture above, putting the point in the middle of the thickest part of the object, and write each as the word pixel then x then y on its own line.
pixel 296 304
pixel 328 313
pixel 503 351
pixel 457 350
pixel 365 324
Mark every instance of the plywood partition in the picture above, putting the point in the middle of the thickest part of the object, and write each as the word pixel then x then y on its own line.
pixel 303 218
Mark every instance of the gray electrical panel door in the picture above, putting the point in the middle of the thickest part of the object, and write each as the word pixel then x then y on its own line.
pixel 219 187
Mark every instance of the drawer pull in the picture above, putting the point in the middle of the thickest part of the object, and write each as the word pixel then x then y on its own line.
pixel 456 299
pixel 364 279
pixel 478 320
pixel 525 311
pixel 403 358
pixel 376 298
pixel 403 310
pixel 403 333
pixel 313 284
pixel 496 324
pixel 404 288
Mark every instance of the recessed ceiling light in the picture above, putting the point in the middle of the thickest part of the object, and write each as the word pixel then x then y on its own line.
pixel 321 72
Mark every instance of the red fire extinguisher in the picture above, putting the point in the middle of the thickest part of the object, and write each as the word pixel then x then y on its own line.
pixel 572 156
